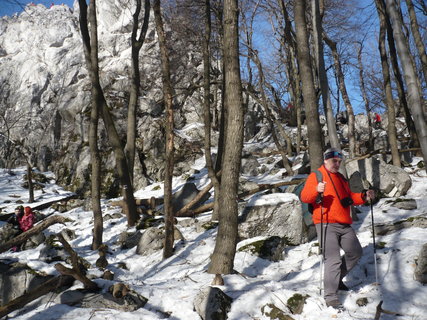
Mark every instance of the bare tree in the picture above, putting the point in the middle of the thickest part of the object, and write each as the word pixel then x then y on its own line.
pixel 207 102
pixel 364 95
pixel 315 142
pixel 391 129
pixel 344 93
pixel 222 259
pixel 420 44
pixel 91 53
pixel 323 78
pixel 90 44
pixel 136 43
pixel 168 98
pixel 411 79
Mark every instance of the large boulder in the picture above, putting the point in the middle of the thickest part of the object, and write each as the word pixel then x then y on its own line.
pixel 17 279
pixel 277 214
pixel 188 192
pixel 374 172
pixel 212 304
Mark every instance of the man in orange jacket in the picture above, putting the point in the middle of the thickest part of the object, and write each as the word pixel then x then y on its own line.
pixel 331 200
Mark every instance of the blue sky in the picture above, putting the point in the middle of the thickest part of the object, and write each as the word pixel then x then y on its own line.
pixel 9 7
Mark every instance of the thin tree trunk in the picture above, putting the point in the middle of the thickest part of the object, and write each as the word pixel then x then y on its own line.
pixel 137 43
pixel 206 99
pixel 90 44
pixel 365 98
pixel 391 128
pixel 30 183
pixel 323 78
pixel 293 71
pixel 341 81
pixel 93 139
pixel 414 97
pixel 169 163
pixel 400 87
pixel 222 126
pixel 315 141
pixel 420 44
pixel 222 259
pixel 273 121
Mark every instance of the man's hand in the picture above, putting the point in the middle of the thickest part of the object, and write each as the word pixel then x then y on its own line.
pixel 370 195
pixel 321 186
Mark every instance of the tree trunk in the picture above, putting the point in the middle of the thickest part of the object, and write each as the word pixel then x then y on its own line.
pixel 323 78
pixel 273 121
pixel 420 44
pixel 30 183
pixel 169 163
pixel 222 258
pixel 90 45
pixel 391 129
pixel 315 141
pixel 93 143
pixel 341 81
pixel 206 100
pixel 365 98
pixel 137 43
pixel 296 93
pixel 414 97
pixel 400 86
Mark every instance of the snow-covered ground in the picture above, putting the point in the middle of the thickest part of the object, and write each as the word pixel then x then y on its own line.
pixel 171 285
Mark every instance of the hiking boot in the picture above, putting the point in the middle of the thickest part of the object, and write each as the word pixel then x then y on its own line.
pixel 336 304
pixel 342 286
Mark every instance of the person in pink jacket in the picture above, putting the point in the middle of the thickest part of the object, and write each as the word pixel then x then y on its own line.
pixel 27 220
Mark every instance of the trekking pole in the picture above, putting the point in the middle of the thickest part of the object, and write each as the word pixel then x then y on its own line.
pixel 373 238
pixel 320 200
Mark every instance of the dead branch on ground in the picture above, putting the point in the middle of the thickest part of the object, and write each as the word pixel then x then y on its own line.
pixel 57 283
pixel 78 271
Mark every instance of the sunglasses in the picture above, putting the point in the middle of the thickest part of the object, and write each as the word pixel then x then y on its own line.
pixel 333 154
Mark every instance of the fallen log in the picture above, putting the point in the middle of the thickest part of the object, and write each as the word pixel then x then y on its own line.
pixel 41 206
pixel 78 271
pixel 59 283
pixel 261 187
pixel 34 230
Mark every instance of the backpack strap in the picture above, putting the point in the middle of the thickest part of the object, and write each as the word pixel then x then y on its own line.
pixel 319 175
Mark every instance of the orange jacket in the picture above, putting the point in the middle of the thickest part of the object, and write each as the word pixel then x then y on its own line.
pixel 333 210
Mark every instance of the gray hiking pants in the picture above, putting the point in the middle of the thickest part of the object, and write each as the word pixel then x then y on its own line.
pixel 338 236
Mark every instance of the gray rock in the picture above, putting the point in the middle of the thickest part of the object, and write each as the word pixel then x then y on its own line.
pixel 130 302
pixel 250 166
pixel 276 214
pixel 405 204
pixel 151 241
pixel 212 304
pixel 391 180
pixel 185 195
pixel 17 279
pixel 271 248
pixel 421 269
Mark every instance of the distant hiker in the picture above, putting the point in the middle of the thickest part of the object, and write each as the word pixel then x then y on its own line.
pixel 331 213
pixel 17 216
pixel 27 221
pixel 342 117
pixel 377 121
